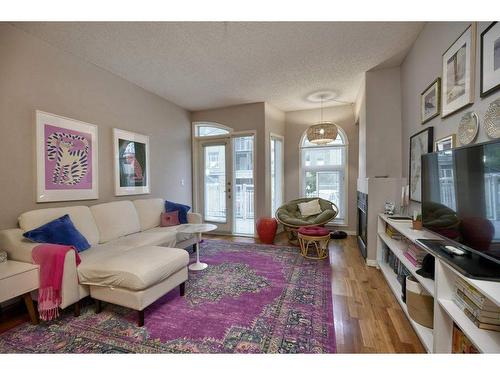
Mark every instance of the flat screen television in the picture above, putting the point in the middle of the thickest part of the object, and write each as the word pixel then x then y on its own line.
pixel 461 197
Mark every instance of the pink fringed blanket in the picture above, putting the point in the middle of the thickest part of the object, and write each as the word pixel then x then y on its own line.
pixel 50 257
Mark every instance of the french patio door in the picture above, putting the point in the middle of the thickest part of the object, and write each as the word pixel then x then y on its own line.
pixel 216 183
pixel 226 183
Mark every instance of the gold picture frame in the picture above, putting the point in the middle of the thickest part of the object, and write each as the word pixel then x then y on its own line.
pixel 446 143
pixel 430 101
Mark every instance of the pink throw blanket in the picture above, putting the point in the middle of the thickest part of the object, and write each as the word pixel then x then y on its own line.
pixel 50 257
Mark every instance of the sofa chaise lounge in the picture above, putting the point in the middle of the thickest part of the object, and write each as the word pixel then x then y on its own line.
pixel 132 261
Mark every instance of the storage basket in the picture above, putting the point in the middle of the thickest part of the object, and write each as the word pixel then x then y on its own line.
pixel 420 303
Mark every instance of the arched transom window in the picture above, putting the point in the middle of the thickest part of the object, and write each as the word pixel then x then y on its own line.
pixel 207 129
pixel 323 171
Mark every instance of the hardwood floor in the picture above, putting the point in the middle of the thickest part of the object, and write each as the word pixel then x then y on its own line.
pixel 367 316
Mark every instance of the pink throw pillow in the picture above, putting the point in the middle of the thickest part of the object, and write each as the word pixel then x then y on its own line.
pixel 169 219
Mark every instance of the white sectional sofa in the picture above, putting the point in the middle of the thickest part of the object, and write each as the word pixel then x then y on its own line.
pixel 132 260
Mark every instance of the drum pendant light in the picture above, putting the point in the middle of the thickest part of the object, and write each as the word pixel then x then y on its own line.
pixel 323 132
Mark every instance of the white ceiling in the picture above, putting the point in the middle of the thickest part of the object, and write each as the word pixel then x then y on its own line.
pixel 200 65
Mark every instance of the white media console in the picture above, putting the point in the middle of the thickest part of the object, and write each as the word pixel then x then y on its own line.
pixel 439 339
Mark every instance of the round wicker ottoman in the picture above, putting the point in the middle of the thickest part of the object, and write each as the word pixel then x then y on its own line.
pixel 313 242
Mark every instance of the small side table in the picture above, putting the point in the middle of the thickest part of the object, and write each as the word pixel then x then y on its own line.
pixel 315 239
pixel 196 229
pixel 19 279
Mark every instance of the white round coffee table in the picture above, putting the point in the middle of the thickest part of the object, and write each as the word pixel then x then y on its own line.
pixel 197 229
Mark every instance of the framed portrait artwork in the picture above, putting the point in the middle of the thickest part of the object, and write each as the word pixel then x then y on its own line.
pixel 131 162
pixel 420 144
pixel 458 73
pixel 66 159
pixel 490 59
pixel 430 101
pixel 446 143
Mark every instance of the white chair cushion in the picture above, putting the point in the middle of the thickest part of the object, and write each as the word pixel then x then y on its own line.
pixel 80 216
pixel 134 269
pixel 149 211
pixel 115 219
pixel 310 208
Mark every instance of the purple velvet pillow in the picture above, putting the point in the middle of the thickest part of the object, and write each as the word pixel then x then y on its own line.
pixel 169 219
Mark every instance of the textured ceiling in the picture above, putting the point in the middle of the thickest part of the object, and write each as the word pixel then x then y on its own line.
pixel 200 65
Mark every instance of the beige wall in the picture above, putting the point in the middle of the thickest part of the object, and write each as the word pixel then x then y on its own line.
pixel 383 123
pixel 360 114
pixel 34 75
pixel 244 117
pixel 421 66
pixel 296 124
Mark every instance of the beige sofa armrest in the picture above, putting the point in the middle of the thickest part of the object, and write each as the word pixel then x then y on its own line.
pixel 70 291
pixel 16 246
pixel 194 218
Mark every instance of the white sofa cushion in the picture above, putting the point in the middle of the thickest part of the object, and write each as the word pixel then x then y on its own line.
pixel 115 219
pixel 134 269
pixel 132 241
pixel 179 236
pixel 149 211
pixel 80 216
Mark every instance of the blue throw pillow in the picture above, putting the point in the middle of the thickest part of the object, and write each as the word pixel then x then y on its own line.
pixel 182 208
pixel 59 231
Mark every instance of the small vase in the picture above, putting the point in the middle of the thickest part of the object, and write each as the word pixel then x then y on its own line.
pixel 417 225
pixel 266 229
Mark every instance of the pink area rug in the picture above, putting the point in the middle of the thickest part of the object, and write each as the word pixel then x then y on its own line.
pixel 251 299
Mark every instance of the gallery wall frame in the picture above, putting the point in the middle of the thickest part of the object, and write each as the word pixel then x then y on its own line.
pixel 420 143
pixel 430 101
pixel 66 159
pixel 446 143
pixel 490 60
pixel 131 163
pixel 458 72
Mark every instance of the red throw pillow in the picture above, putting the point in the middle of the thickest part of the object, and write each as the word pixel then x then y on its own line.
pixel 169 219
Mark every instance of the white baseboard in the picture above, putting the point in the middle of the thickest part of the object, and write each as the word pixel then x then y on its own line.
pixel 372 263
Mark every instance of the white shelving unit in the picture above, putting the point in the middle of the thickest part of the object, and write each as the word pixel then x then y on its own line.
pixel 397 247
pixel 439 339
pixel 425 334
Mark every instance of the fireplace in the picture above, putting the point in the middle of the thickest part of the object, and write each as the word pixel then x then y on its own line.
pixel 362 222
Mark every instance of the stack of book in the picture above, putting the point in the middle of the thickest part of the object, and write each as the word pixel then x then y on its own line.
pixel 399 269
pixel 393 233
pixel 460 343
pixel 415 255
pixel 484 313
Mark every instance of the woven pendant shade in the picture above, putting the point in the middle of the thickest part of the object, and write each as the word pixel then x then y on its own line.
pixel 322 133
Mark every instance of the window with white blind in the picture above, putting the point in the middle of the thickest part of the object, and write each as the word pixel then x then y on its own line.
pixel 323 172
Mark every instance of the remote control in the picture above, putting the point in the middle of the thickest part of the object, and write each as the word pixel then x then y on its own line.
pixel 453 250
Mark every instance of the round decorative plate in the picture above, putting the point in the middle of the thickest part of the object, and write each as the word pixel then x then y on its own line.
pixel 468 128
pixel 492 119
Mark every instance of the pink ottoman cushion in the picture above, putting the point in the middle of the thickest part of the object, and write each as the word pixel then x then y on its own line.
pixel 314 231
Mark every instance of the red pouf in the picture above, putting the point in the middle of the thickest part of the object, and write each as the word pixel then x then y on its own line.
pixel 266 229
pixel 314 231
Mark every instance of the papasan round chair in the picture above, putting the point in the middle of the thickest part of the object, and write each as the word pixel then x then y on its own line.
pixel 289 216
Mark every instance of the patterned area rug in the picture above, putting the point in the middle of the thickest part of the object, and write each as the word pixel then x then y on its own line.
pixel 251 299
